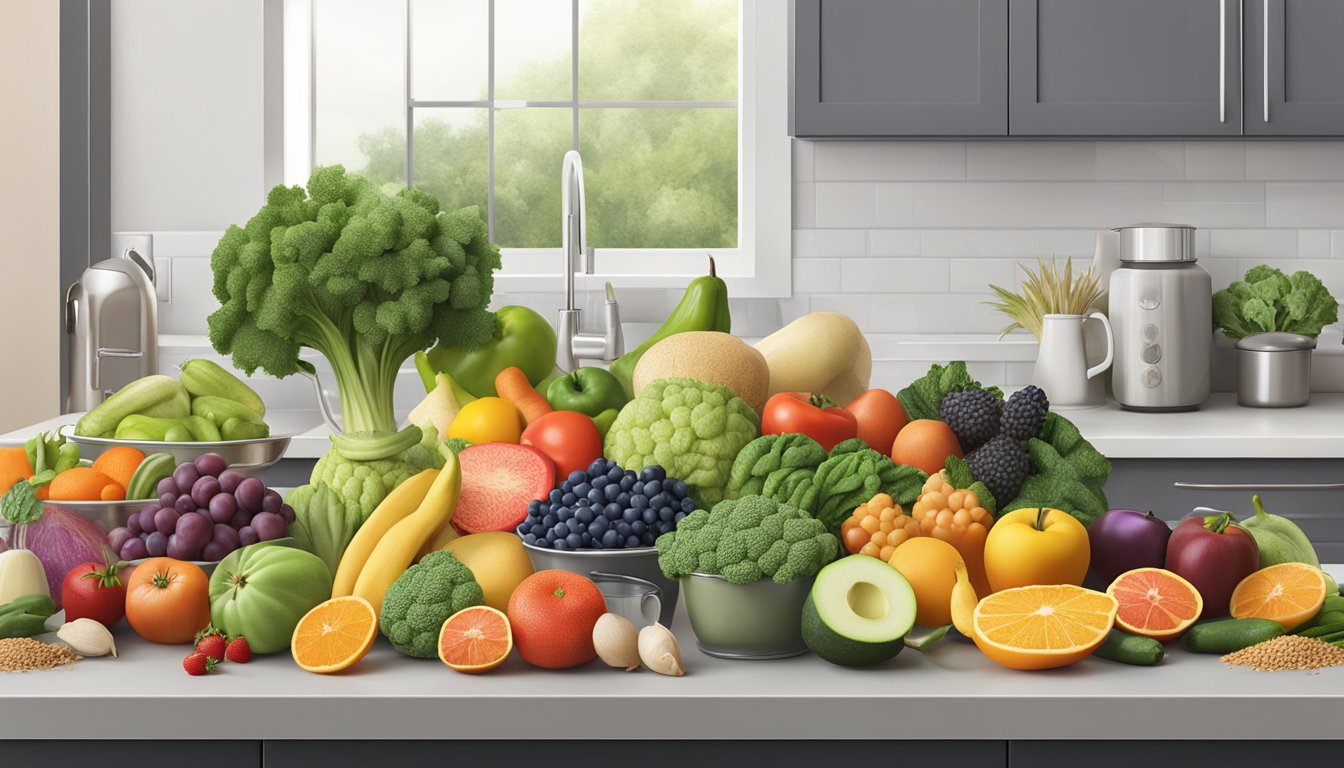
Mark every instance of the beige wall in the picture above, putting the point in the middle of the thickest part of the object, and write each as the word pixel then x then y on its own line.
pixel 29 212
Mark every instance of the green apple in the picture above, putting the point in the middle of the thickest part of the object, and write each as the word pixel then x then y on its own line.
pixel 589 391
pixel 522 338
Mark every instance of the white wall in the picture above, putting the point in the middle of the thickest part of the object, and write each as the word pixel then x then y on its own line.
pixel 187 113
pixel 29 211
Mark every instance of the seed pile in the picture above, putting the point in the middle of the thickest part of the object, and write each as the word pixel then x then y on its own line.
pixel 1288 652
pixel 24 654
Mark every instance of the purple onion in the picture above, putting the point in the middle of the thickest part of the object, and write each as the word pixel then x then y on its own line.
pixel 1125 539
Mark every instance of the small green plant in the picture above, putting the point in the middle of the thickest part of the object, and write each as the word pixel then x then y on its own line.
pixel 1047 291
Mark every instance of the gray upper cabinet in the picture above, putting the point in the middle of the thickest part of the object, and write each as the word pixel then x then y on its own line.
pixel 1294 67
pixel 1125 68
pixel 898 68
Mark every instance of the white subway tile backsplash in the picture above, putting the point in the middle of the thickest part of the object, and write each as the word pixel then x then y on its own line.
pixel 935 313
pixel 1039 204
pixel 804 160
pixel 816 275
pixel 1313 244
pixel 1253 243
pixel 994 243
pixel 1140 160
pixel 893 275
pixel 1337 244
pixel 846 204
pixel 1210 204
pixel 804 206
pixel 1076 243
pixel 889 161
pixel 895 205
pixel 976 275
pixel 1215 160
pixel 829 243
pixel 893 242
pixel 1031 160
pixel 1304 204
pixel 1295 160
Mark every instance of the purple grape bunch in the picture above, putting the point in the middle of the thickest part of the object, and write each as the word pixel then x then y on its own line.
pixel 205 511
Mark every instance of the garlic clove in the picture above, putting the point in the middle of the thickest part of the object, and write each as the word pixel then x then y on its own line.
pixel 616 641
pixel 660 651
pixel 88 637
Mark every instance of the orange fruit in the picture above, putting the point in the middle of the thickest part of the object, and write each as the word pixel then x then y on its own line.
pixel 552 614
pixel 930 565
pixel 119 463
pixel 475 640
pixel 334 635
pixel 1042 627
pixel 112 492
pixel 80 484
pixel 925 444
pixel 1155 603
pixel 1289 593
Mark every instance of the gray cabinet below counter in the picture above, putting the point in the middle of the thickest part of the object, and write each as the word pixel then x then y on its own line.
pixel 1310 492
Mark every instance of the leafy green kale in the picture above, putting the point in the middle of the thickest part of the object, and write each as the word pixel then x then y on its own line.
pixel 1266 300
pixel 20 504
pixel 1067 473
pixel 922 398
pixel 778 466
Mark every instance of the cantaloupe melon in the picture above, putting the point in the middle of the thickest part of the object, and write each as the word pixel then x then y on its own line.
pixel 718 358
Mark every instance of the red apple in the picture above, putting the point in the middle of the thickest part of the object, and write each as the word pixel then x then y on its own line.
pixel 1214 555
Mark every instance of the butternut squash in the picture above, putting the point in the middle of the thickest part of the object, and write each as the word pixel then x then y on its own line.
pixel 397 549
pixel 399 504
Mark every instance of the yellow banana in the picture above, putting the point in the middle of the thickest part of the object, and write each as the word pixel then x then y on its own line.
pixel 401 502
pixel 963 601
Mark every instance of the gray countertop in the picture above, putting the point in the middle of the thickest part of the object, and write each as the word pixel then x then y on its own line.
pixel 951 692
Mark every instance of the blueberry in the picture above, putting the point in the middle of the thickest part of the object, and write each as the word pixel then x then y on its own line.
pixel 679 489
pixel 623 499
pixel 596 496
pixel 631 542
pixel 659 500
pixel 576 527
pixel 613 511
pixel 599 526
pixel 667 514
pixel 587 539
pixel 550 520
pixel 646 474
pixel 574 540
pixel 630 515
pixel 584 515
pixel 680 516
pixel 533 506
pixel 598 467
pixel 665 528
pixel 583 488
pixel 561 544
pixel 615 472
pixel 611 539
pixel 623 528
pixel 551 536
pixel 611 492
pixel 555 495
pixel 638 528
pixel 529 539
pixel 652 488
pixel 599 481
pixel 543 543
pixel 561 529
pixel 627 482
pixel 577 476
pixel 566 486
pixel 565 513
pixel 568 499
pixel 638 501
pixel 650 516
pixel 649 538
pixel 537 529
pixel 687 505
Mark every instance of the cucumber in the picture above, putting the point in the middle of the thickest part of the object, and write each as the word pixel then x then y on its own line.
pixel 1130 649
pixel 239 429
pixel 221 409
pixel 202 429
pixel 1229 635
pixel 22 625
pixel 153 469
pixel 204 378
pixel 159 396
pixel 178 433
pixel 36 605
pixel 140 427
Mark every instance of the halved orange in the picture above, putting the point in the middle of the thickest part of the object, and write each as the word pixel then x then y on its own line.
pixel 334 635
pixel 475 639
pixel 1044 626
pixel 1289 593
pixel 1155 602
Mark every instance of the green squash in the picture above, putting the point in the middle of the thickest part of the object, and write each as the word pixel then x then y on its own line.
pixel 261 591
pixel 1278 538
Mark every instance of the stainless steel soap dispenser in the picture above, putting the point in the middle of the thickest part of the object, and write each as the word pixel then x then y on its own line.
pixel 112 319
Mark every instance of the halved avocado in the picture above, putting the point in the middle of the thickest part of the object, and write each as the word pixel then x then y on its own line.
pixel 858 612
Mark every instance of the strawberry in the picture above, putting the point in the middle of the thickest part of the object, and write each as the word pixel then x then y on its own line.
pixel 198 664
pixel 211 642
pixel 238 650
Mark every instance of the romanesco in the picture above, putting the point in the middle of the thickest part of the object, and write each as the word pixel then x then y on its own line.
pixel 362 485
pixel 422 598
pixel 693 429
pixel 746 540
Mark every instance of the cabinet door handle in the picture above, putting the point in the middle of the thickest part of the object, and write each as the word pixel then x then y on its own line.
pixel 1259 486
pixel 1222 61
pixel 1264 60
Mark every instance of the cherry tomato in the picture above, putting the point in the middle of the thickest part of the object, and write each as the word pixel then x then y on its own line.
pixel 568 438
pixel 812 415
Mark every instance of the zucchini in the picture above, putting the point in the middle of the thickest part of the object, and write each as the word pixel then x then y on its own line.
pixel 159 396
pixel 205 378
pixel 239 429
pixel 140 427
pixel 1229 635
pixel 221 409
pixel 153 469
pixel 202 429
pixel 1130 649
pixel 22 625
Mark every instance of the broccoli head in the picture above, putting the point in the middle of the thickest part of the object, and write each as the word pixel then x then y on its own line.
pixel 363 277
pixel 693 429
pixel 746 540
pixel 422 598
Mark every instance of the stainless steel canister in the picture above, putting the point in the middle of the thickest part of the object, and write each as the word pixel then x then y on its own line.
pixel 1274 370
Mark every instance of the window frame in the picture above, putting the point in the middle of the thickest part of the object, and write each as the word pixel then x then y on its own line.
pixel 760 265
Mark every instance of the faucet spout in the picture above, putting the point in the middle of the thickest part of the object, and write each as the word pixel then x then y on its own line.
pixel 572 343
pixel 575 223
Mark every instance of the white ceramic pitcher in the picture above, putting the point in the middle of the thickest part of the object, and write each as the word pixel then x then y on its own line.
pixel 1061 364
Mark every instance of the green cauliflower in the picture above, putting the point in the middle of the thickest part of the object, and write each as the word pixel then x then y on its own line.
pixel 422 598
pixel 362 485
pixel 746 540
pixel 322 523
pixel 693 429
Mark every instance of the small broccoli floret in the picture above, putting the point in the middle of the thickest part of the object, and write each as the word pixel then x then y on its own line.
pixel 745 540
pixel 422 598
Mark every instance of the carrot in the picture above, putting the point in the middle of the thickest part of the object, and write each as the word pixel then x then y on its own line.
pixel 14 467
pixel 512 385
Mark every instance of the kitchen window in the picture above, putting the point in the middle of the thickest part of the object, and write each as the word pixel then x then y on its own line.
pixel 678 108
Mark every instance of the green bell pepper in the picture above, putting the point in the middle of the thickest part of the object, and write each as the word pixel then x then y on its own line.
pixel 522 338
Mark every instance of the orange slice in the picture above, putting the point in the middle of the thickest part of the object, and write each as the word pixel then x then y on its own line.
pixel 475 639
pixel 1155 603
pixel 334 635
pixel 1289 593
pixel 1040 627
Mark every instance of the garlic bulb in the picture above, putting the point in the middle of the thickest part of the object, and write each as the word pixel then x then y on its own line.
pixel 659 650
pixel 616 641
pixel 87 637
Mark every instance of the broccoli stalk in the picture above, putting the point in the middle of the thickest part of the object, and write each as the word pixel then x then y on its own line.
pixel 364 277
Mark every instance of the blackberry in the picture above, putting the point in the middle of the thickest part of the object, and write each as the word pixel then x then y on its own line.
pixel 973 415
pixel 1024 413
pixel 1002 464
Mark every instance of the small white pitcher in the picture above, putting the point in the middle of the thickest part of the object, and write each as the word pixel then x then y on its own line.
pixel 1061 364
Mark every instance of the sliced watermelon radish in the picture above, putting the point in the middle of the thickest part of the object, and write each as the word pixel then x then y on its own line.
pixel 498 480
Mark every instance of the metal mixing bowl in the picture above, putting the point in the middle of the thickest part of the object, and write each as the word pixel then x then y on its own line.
pixel 642 563
pixel 246 456
pixel 761 620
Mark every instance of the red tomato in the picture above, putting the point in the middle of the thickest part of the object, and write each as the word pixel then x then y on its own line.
pixel 568 438
pixel 880 416
pixel 812 415
pixel 94 591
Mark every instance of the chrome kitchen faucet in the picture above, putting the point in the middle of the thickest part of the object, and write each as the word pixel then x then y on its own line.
pixel 572 344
